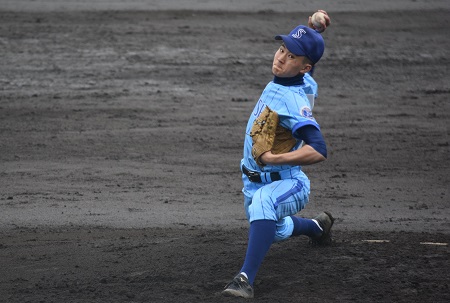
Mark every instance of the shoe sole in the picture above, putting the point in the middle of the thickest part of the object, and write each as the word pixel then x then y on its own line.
pixel 235 293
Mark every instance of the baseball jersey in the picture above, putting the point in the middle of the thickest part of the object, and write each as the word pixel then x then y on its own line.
pixel 294 111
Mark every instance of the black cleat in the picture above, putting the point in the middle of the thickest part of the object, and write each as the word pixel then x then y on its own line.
pixel 325 221
pixel 239 287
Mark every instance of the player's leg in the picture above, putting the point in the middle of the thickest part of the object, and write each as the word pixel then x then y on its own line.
pixel 317 229
pixel 262 213
pixel 270 204
pixel 293 197
pixel 270 213
pixel 297 226
pixel 290 197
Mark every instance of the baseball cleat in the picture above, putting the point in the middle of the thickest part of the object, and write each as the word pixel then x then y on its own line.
pixel 325 221
pixel 239 287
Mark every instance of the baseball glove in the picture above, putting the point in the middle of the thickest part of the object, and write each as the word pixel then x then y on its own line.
pixel 268 135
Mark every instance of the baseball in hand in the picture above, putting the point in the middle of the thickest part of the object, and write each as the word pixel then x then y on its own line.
pixel 318 20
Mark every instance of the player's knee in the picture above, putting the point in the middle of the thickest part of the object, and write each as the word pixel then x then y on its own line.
pixel 285 227
pixel 261 208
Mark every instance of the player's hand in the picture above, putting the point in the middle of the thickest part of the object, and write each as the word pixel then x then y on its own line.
pixel 324 25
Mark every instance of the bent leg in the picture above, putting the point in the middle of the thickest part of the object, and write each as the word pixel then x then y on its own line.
pixel 268 212
pixel 277 200
pixel 296 226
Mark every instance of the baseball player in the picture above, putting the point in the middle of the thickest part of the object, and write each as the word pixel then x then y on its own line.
pixel 281 136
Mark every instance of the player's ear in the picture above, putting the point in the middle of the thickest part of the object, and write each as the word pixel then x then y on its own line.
pixel 306 65
pixel 306 68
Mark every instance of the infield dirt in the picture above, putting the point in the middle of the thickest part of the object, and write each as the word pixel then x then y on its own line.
pixel 120 140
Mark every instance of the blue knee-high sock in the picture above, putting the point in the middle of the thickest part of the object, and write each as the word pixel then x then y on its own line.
pixel 305 227
pixel 261 236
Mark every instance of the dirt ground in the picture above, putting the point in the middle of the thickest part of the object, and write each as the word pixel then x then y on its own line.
pixel 121 134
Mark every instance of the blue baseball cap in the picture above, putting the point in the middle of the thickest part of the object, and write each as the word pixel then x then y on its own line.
pixel 304 41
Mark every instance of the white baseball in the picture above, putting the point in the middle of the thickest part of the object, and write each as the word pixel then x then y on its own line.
pixel 317 20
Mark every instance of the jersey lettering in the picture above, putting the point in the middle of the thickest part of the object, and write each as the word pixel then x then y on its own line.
pixel 259 108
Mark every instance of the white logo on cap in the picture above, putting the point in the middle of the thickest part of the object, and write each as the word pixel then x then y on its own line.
pixel 299 33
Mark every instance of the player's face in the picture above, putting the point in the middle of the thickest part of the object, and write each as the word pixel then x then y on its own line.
pixel 286 64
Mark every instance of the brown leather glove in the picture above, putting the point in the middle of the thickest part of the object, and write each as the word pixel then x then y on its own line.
pixel 268 135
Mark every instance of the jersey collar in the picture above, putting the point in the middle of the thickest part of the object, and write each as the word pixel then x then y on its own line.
pixel 296 80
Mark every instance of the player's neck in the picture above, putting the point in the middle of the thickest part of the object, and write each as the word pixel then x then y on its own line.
pixel 296 80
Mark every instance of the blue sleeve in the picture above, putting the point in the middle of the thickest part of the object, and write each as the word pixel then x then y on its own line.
pixel 312 136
